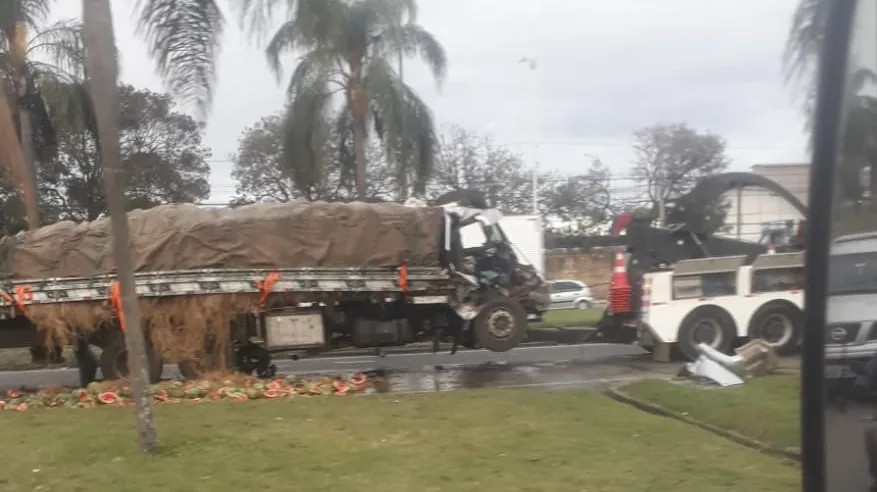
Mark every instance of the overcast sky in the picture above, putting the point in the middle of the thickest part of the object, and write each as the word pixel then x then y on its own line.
pixel 604 68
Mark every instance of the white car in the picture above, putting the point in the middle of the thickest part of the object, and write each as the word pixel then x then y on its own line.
pixel 567 294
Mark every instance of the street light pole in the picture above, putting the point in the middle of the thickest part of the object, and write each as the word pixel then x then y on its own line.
pixel 531 65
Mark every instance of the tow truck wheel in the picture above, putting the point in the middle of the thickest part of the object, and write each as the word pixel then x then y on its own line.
pixel 779 324
pixel 707 324
pixel 501 325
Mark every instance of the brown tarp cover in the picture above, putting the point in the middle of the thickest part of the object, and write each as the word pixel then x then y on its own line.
pixel 269 235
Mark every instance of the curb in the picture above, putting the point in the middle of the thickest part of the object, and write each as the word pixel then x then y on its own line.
pixel 622 397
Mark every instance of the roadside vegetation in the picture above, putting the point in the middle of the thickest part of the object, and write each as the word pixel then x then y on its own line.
pixel 766 409
pixel 510 440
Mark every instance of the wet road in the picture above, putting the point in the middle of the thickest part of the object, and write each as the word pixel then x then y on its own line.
pixel 846 462
pixel 567 368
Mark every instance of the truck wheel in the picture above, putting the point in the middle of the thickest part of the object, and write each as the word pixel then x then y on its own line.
pixel 114 359
pixel 86 362
pixel 779 324
pixel 501 325
pixel 707 324
pixel 194 369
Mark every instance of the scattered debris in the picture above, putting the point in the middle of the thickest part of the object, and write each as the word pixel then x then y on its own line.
pixel 756 358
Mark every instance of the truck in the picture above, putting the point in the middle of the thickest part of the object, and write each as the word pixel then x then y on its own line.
pixel 230 287
pixel 683 284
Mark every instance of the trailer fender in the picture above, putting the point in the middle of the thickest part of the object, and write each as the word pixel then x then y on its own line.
pixel 778 323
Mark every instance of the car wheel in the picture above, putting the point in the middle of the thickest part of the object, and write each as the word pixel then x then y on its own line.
pixel 583 305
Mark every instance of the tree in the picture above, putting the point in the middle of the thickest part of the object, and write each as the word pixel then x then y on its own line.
pixel 348 46
pixel 469 161
pixel 22 79
pixel 578 204
pixel 671 158
pixel 263 173
pixel 103 70
pixel 163 158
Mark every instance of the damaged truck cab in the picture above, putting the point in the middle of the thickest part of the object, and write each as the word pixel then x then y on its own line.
pixel 230 287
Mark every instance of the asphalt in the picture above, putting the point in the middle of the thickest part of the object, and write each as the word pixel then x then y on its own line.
pixel 846 462
pixel 395 363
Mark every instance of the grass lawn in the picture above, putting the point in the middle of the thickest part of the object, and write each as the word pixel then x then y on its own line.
pixel 503 440
pixel 767 409
pixel 569 318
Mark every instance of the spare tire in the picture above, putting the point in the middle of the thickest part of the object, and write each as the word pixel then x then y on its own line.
pixel 465 198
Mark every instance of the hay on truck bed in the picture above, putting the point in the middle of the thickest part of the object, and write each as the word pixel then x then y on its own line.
pixel 185 237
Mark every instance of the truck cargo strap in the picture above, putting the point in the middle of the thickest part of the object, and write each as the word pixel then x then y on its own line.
pixel 224 281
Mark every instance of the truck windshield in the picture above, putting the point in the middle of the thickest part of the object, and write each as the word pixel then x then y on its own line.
pixel 852 274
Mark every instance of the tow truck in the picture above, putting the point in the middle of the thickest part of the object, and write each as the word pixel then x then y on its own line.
pixel 682 284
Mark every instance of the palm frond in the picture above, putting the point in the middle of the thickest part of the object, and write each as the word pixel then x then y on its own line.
pixel 62 43
pixel 412 40
pixel 184 39
pixel 314 64
pixel 391 12
pixel 256 15
pixel 33 13
pixel 805 37
pixel 404 122
pixel 305 131
pixel 313 25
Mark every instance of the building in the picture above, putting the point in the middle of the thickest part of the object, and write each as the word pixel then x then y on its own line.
pixel 751 210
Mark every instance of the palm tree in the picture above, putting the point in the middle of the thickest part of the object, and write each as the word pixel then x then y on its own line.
pixel 43 92
pixel 348 47
pixel 183 37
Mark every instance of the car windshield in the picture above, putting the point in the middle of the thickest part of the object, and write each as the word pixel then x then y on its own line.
pixel 853 274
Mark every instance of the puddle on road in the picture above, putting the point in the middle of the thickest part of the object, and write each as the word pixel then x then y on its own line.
pixel 570 375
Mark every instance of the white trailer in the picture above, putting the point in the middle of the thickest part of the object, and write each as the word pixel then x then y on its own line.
pixel 722 302
pixel 526 234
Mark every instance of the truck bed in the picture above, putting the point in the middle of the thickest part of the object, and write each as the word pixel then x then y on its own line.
pixel 226 281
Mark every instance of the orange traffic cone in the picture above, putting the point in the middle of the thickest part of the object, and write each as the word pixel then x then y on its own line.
pixel 619 288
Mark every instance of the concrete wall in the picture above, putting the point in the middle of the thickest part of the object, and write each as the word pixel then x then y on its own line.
pixel 593 267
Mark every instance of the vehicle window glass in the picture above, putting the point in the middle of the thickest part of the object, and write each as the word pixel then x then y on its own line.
pixel 706 285
pixel 852 274
pixel 472 236
pixel 776 280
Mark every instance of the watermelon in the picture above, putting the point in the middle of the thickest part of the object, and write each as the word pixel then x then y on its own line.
pixel 21 407
pixel 82 395
pixel 94 387
pixel 240 398
pixel 2 405
pixel 253 393
pixel 272 393
pixel 108 398
pixel 341 387
pixel 12 394
pixel 176 392
pixel 358 379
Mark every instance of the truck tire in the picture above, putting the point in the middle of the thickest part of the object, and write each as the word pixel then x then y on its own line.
pixel 114 359
pixel 86 362
pixel 711 325
pixel 501 325
pixel 779 324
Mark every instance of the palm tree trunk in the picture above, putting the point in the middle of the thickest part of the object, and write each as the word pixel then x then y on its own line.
pixel 10 147
pixel 359 150
pixel 100 58
pixel 358 103
pixel 28 185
